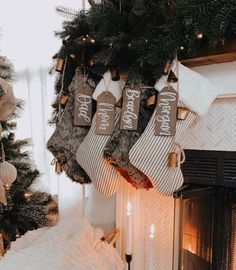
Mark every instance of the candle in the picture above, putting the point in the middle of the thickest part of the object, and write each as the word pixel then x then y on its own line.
pixel 151 247
pixel 128 250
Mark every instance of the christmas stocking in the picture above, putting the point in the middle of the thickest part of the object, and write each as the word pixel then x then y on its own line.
pixel 159 157
pixel 119 145
pixel 66 139
pixel 90 153
pixel 7 100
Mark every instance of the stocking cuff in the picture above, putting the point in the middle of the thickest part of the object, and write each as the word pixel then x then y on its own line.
pixel 195 91
pixel 107 83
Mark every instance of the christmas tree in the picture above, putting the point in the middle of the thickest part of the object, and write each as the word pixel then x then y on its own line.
pixel 23 209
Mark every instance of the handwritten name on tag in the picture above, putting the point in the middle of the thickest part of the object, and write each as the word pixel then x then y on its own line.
pixel 105 115
pixel 166 112
pixel 130 108
pixel 83 106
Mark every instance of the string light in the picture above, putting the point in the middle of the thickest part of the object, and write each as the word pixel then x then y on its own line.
pixel 83 39
pixel 92 40
pixel 129 45
pixel 199 35
pixel 182 48
pixel 27 195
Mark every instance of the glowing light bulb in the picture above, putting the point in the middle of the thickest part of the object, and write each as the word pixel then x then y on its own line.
pixel 200 35
pixel 129 208
pixel 152 231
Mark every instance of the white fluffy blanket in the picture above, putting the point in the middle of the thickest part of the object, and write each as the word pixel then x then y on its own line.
pixel 71 245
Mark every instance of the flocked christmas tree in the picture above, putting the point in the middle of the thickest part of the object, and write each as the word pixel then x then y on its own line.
pixel 23 209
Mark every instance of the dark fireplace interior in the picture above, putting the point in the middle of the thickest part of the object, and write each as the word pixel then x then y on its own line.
pixel 208 212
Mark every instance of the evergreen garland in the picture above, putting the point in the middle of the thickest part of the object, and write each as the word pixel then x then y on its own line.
pixel 139 36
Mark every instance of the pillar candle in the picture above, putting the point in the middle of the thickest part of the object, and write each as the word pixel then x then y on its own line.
pixel 151 248
pixel 128 250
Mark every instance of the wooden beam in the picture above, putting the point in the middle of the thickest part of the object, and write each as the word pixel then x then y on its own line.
pixel 224 53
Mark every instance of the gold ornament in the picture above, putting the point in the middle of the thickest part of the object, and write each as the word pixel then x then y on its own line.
pixel 60 64
pixel 8 174
pixel 2 194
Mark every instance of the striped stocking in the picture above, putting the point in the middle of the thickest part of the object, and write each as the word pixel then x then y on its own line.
pixel 90 153
pixel 151 154
pixel 90 157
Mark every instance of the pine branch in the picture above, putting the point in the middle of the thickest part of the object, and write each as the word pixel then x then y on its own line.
pixel 67 13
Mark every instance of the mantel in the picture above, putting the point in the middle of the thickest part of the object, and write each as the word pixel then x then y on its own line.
pixel 208 56
pixel 226 53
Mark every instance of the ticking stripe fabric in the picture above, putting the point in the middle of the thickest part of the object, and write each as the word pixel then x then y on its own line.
pixel 90 157
pixel 150 155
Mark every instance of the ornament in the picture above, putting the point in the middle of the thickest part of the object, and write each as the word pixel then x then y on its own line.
pixel 2 251
pixel 94 2
pixel 2 194
pixel 63 100
pixel 61 58
pixel 182 113
pixel 58 168
pixel 8 174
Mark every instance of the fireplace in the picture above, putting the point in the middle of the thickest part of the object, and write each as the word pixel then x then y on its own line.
pixel 207 210
pixel 194 230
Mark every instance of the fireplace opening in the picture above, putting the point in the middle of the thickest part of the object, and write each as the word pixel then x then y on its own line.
pixel 207 231
pixel 207 212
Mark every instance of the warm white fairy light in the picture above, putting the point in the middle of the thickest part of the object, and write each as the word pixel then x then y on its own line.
pixel 200 35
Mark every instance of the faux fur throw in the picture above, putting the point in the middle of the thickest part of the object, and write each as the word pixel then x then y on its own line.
pixel 66 139
pixel 119 145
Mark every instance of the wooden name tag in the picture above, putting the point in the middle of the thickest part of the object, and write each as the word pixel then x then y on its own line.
pixel 83 106
pixel 130 108
pixel 105 115
pixel 166 112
